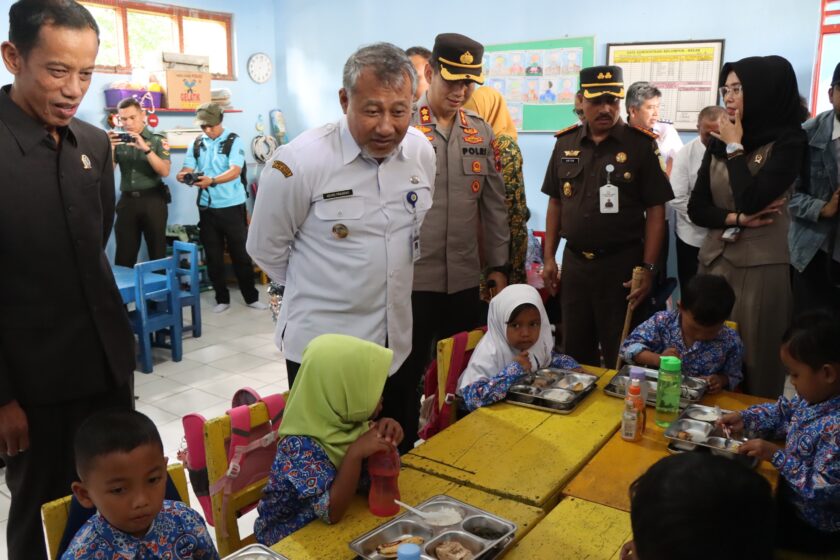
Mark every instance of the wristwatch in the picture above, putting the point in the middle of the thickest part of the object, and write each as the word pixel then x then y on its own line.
pixel 652 268
pixel 733 147
pixel 213 182
pixel 147 152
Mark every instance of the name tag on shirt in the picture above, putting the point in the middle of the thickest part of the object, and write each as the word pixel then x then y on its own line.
pixel 338 194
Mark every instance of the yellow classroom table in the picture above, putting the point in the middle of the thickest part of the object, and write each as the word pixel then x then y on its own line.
pixel 521 453
pixel 576 529
pixel 318 540
pixel 607 477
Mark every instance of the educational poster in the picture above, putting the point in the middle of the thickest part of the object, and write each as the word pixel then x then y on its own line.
pixel 686 72
pixel 539 79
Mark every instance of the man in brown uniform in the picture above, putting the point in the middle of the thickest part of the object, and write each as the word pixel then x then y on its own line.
pixel 469 197
pixel 607 192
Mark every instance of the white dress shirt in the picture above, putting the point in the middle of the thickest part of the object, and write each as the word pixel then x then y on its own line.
pixel 683 176
pixel 338 230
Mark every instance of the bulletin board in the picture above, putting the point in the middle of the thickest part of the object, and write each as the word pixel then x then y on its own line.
pixel 685 71
pixel 539 79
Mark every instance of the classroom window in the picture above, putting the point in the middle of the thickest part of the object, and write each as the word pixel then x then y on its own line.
pixel 134 34
pixel 827 55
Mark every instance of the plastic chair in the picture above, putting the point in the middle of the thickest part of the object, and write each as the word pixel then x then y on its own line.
pixel 441 379
pixel 158 312
pixel 227 508
pixel 188 251
pixel 54 514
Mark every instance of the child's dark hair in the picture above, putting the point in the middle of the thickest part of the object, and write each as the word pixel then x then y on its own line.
pixel 814 338
pixel 519 309
pixel 679 509
pixel 112 431
pixel 710 299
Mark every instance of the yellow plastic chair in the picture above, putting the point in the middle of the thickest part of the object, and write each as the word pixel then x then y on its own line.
pixel 216 437
pixel 54 514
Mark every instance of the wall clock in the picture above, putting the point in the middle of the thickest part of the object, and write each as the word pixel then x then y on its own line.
pixel 259 67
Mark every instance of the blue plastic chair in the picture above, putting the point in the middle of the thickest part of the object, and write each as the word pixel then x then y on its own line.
pixel 158 312
pixel 192 297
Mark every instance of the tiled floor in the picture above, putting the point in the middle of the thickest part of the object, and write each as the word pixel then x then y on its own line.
pixel 236 349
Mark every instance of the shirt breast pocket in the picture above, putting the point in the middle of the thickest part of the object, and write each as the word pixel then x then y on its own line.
pixel 570 180
pixel 338 209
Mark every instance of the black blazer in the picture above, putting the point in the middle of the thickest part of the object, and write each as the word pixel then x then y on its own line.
pixel 64 332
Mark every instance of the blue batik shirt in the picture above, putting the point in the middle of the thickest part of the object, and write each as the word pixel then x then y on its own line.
pixel 178 532
pixel 298 489
pixel 810 460
pixel 723 355
pixel 489 390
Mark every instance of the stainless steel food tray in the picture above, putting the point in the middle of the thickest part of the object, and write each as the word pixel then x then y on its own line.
pixel 255 552
pixel 693 388
pixel 697 423
pixel 553 390
pixel 473 520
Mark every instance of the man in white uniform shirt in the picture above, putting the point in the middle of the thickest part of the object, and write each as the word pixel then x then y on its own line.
pixel 338 216
pixel 683 176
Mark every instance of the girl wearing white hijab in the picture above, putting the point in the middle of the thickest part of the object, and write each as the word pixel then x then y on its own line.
pixel 518 341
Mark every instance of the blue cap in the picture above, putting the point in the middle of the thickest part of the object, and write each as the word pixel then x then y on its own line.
pixel 408 551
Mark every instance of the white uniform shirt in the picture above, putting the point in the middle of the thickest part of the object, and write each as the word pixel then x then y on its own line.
pixel 336 229
pixel 683 176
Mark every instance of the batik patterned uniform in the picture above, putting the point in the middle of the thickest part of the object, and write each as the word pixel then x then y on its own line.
pixel 177 532
pixel 810 460
pixel 489 390
pixel 298 489
pixel 722 355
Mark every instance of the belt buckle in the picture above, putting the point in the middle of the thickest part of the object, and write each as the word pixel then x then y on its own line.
pixel 588 255
pixel 134 194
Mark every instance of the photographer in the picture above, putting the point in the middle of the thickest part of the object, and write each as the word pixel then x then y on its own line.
pixel 213 165
pixel 143 157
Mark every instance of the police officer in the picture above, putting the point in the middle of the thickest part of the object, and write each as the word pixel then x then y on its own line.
pixel 469 194
pixel 351 196
pixel 221 204
pixel 142 206
pixel 608 192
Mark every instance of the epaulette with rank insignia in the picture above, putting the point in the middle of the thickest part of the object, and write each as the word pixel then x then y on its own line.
pixel 646 132
pixel 567 129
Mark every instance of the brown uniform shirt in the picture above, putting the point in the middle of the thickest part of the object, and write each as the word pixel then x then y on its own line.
pixel 469 193
pixel 577 170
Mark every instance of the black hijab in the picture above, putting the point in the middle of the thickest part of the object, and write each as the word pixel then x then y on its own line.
pixel 772 106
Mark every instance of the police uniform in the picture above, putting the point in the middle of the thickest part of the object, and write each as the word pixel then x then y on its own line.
pixel 141 209
pixel 602 245
pixel 469 194
pixel 339 230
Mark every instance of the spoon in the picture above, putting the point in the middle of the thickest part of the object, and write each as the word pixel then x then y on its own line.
pixel 726 431
pixel 415 511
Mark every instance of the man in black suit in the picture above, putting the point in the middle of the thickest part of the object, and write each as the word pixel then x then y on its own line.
pixel 66 347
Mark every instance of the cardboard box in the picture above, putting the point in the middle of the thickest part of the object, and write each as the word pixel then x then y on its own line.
pixel 186 89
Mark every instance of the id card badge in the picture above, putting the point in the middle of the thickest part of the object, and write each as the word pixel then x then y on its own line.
pixel 415 243
pixel 608 195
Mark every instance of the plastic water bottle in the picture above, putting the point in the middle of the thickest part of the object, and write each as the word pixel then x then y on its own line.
pixel 408 551
pixel 668 390
pixel 384 470
pixel 639 373
pixel 632 420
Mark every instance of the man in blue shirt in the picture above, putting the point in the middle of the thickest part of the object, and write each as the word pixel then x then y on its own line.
pixel 215 170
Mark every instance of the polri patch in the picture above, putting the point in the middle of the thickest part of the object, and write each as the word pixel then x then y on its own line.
pixel 282 168
pixel 338 194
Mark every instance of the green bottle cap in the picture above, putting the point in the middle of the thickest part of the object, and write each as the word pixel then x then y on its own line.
pixel 670 363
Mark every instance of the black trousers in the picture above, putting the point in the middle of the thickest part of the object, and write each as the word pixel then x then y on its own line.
pixel 292 371
pixel 812 288
pixel 594 303
pixel 435 316
pixel 143 216
pixel 686 262
pixel 227 225
pixel 45 471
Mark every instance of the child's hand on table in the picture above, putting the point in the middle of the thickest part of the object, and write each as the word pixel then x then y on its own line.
pixel 760 448
pixel 716 383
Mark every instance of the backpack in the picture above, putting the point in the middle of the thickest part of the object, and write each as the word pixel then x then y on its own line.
pixel 227 146
pixel 250 451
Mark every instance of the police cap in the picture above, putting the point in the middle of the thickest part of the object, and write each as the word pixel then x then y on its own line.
pixel 459 57
pixel 596 81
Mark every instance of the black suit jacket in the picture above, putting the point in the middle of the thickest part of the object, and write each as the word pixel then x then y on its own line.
pixel 64 332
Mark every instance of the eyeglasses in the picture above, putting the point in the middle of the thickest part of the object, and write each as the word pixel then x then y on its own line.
pixel 737 89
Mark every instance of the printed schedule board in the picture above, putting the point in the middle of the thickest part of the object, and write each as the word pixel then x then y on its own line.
pixel 686 73
pixel 539 79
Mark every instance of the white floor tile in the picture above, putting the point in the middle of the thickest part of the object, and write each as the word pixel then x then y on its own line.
pixel 141 378
pixel 272 372
pixel 158 389
pixel 216 410
pixel 225 388
pixel 171 435
pixel 244 342
pixel 198 376
pixel 189 401
pixel 5 502
pixel 239 363
pixel 170 368
pixel 3 488
pixel 3 552
pixel 211 353
pixel 272 388
pixel 268 351
pixel 156 415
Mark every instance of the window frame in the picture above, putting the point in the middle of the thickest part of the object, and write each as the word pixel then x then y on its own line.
pixel 825 29
pixel 177 13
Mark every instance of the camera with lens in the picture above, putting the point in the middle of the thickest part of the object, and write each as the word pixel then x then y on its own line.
pixel 126 138
pixel 191 178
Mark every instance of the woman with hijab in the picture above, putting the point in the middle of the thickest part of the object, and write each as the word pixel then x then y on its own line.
pixel 741 196
pixel 325 435
pixel 491 106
